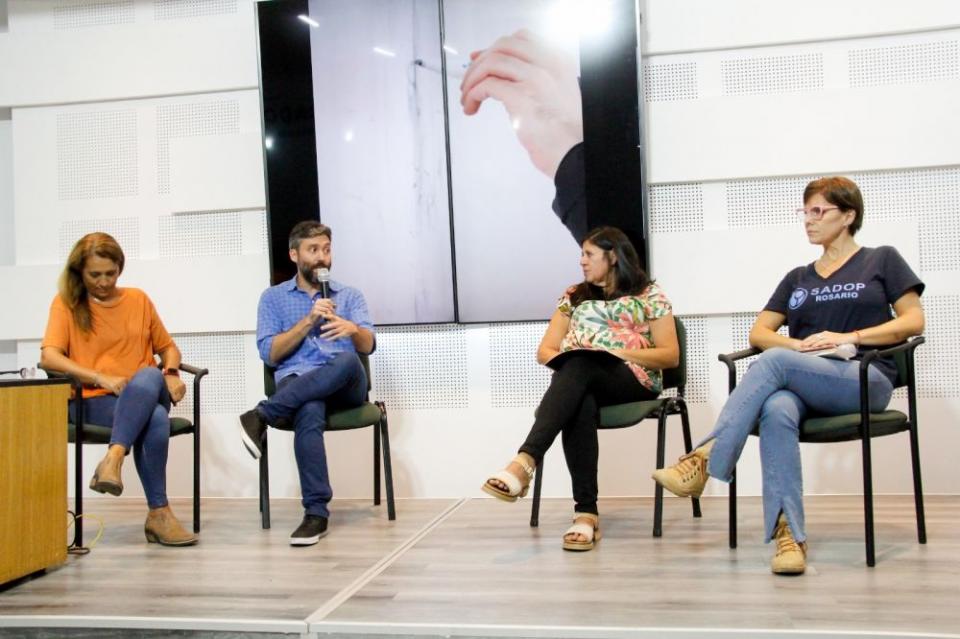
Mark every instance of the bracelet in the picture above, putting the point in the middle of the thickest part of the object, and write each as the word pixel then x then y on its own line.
pixel 859 338
pixel 96 379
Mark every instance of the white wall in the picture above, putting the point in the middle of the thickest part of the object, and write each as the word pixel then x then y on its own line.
pixel 742 110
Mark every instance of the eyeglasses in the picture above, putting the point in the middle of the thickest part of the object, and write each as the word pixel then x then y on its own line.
pixel 815 212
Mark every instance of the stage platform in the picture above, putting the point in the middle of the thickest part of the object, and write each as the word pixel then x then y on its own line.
pixel 474 568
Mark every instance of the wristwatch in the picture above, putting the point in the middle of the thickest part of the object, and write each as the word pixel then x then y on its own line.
pixel 171 371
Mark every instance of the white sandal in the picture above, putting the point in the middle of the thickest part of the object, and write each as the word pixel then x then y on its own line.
pixel 515 489
pixel 590 531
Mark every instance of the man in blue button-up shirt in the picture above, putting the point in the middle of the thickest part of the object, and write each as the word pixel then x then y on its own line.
pixel 312 340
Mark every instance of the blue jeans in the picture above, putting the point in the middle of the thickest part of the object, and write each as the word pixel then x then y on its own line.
pixel 340 383
pixel 778 390
pixel 140 422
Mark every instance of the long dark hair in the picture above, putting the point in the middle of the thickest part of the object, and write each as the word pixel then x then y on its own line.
pixel 629 278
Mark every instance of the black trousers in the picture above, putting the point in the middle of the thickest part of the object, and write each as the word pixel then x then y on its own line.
pixel 571 406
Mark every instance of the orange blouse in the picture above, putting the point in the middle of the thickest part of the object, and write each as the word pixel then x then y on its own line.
pixel 123 339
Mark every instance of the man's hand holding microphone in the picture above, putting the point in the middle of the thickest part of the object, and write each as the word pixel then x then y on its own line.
pixel 333 327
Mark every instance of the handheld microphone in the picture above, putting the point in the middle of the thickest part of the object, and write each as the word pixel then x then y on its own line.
pixel 323 277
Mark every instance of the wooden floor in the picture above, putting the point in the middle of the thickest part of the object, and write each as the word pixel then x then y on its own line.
pixel 474 567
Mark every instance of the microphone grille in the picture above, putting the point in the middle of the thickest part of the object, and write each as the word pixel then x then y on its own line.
pixel 323 274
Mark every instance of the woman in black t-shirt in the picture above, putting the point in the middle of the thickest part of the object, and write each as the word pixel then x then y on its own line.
pixel 845 297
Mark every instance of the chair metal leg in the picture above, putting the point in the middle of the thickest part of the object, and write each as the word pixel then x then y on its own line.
pixel 264 485
pixel 376 464
pixel 868 501
pixel 78 463
pixel 687 448
pixel 78 488
pixel 196 478
pixel 661 459
pixel 917 484
pixel 387 464
pixel 733 510
pixel 537 486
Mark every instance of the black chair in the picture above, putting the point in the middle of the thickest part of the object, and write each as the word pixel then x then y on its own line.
pixel 629 414
pixel 367 414
pixel 862 426
pixel 96 434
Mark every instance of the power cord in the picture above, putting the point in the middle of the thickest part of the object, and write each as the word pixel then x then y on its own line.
pixel 74 548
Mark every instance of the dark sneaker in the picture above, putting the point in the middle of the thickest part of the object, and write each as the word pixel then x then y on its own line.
pixel 252 427
pixel 310 530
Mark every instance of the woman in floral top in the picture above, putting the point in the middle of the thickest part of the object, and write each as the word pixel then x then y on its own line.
pixel 608 340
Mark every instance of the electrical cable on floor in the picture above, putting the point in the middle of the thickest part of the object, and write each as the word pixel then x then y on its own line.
pixel 73 548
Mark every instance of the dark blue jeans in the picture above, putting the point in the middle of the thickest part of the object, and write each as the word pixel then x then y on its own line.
pixel 340 383
pixel 140 422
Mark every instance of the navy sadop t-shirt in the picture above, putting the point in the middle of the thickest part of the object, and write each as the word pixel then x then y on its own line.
pixel 858 295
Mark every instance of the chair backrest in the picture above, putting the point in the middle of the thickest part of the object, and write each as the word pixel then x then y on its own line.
pixel 270 384
pixel 903 377
pixel 677 377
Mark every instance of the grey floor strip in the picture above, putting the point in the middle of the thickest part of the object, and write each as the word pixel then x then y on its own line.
pixel 165 623
pixel 373 629
pixel 332 604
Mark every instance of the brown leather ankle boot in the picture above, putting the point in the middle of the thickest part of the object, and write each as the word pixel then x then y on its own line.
pixel 106 478
pixel 162 527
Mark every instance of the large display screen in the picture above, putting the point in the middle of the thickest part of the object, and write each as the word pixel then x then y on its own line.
pixel 439 129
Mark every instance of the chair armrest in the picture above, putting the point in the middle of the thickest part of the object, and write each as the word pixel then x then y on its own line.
pixel 730 360
pixel 906 346
pixel 193 370
pixel 74 382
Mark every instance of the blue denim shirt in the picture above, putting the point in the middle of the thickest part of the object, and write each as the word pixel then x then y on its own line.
pixel 285 304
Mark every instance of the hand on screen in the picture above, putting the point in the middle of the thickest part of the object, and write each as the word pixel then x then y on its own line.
pixel 538 87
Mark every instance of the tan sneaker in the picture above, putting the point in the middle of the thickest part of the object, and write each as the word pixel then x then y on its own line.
pixel 791 557
pixel 688 476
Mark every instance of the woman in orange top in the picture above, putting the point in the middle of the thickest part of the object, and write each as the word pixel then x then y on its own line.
pixel 107 338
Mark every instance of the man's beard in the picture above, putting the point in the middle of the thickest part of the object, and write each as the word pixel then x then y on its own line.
pixel 309 272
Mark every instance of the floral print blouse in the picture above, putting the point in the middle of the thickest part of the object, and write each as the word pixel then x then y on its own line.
pixel 622 323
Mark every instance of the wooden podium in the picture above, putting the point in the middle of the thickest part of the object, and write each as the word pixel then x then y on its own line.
pixel 33 468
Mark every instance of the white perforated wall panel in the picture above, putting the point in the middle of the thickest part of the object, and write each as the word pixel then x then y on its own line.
pixel 931 196
pixel 77 15
pixel 125 230
pixel 772 74
pixel 421 367
pixel 516 379
pixel 183 120
pixel 264 238
pixel 676 207
pixel 670 82
pixel 197 234
pixel 764 201
pixel 904 64
pixel 222 391
pixel 96 154
pixel 179 9
pixel 938 360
